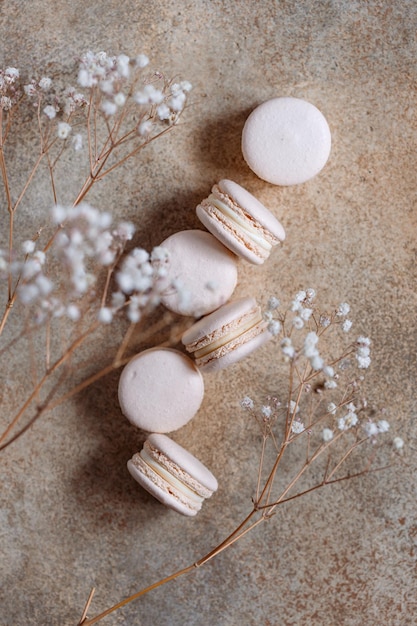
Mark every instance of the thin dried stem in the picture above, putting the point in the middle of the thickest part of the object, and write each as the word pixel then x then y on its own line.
pixel 63 359
pixel 87 606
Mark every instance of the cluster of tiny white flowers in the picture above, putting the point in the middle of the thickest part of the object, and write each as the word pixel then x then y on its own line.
pixel 362 352
pixel 302 306
pixel 274 325
pixel 311 352
pixel 37 87
pixel 35 285
pixel 297 427
pixel 73 100
pixel 53 103
pixel 110 74
pixel 138 278
pixel 247 403
pixel 348 420
pixel 102 70
pixel 9 88
pixel 86 237
pixel 85 243
pixel 168 105
pixel 375 428
pixel 327 434
pixel 339 418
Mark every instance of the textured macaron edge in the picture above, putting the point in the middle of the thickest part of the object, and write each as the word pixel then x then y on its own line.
pixel 159 488
pixel 254 217
pixel 244 313
pixel 237 353
pixel 254 208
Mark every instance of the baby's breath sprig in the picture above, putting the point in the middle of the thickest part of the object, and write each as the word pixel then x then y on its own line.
pixel 318 410
pixel 67 283
pixel 118 108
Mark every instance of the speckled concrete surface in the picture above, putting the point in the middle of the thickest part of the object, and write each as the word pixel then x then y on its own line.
pixel 72 518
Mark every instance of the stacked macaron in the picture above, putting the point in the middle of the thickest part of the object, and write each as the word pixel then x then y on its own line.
pixel 285 141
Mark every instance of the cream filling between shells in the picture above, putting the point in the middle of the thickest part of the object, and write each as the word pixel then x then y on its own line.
pixel 166 475
pixel 229 333
pixel 241 222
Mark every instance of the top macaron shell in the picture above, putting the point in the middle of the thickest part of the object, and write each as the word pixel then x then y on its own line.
pixel 185 461
pixel 160 390
pixel 205 270
pixel 217 325
pixel 286 141
pixel 256 215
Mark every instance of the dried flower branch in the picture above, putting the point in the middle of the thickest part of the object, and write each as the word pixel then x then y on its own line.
pixel 75 276
pixel 322 417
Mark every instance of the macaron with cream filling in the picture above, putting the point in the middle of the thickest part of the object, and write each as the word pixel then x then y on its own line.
pixel 227 335
pixel 240 221
pixel 172 475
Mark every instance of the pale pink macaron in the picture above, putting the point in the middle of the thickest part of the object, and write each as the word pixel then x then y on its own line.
pixel 240 221
pixel 286 141
pixel 227 335
pixel 172 475
pixel 201 274
pixel 160 390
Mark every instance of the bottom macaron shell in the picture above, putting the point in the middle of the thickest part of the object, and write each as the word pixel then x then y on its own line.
pixel 160 493
pixel 237 354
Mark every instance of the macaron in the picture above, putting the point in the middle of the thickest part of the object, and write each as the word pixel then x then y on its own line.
pixel 227 335
pixel 240 221
pixel 286 141
pixel 172 475
pixel 160 390
pixel 201 274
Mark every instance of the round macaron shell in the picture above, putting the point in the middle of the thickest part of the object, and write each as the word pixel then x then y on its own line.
pixel 205 269
pixel 286 141
pixel 160 390
pixel 229 233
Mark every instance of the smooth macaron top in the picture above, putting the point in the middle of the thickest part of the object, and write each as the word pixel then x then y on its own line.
pixel 160 390
pixel 286 141
pixel 240 221
pixel 227 335
pixel 201 273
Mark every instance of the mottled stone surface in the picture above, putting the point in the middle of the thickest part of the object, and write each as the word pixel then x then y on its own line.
pixel 71 516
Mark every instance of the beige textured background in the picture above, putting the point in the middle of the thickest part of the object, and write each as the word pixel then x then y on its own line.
pixel 71 517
